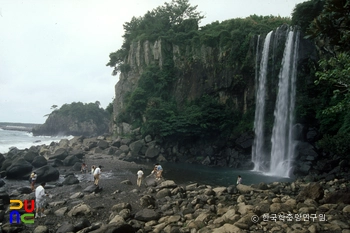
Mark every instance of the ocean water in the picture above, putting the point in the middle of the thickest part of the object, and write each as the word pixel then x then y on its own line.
pixel 23 140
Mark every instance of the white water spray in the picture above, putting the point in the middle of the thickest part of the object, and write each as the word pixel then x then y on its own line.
pixel 258 145
pixel 283 147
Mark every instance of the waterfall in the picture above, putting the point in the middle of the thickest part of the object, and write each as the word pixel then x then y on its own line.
pixel 282 144
pixel 282 151
pixel 258 145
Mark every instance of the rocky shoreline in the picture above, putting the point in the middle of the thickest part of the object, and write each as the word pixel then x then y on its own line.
pixel 118 205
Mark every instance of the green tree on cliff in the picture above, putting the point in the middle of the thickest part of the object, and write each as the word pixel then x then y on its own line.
pixel 176 16
pixel 330 30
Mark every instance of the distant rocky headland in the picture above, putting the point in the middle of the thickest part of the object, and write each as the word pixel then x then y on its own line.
pixel 17 126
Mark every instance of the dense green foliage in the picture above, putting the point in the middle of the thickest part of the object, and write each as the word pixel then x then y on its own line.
pixel 330 29
pixel 83 112
pixel 177 23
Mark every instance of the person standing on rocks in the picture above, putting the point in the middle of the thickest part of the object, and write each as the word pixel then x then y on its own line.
pixel 139 177
pixel 40 200
pixel 33 177
pixel 97 174
pixel 83 168
pixel 239 179
pixel 93 167
pixel 159 171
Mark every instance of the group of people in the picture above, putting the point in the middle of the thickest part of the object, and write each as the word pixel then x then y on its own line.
pixel 95 171
pixel 157 171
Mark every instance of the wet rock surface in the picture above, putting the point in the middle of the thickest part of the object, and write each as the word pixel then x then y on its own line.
pixel 117 204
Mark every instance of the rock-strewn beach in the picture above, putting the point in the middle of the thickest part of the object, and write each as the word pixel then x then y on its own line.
pixel 118 205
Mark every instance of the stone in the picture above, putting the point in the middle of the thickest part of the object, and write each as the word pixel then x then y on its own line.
pixel 81 209
pixel 47 173
pixel 60 212
pixel 70 180
pixel 313 191
pixel 147 215
pixel 19 169
pixel 39 161
pixel 228 228
pixel 41 229
pixel 117 219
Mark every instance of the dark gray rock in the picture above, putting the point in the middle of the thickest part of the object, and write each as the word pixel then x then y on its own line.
pixel 60 154
pixel 152 152
pixel 135 147
pixel 77 153
pixel 116 228
pixel 103 144
pixel 66 227
pixel 30 155
pixel 147 215
pixel 19 169
pixel 39 161
pixel 55 162
pixel 92 188
pixel 313 191
pixel 47 173
pixel 70 160
pixel 71 179
pixel 81 224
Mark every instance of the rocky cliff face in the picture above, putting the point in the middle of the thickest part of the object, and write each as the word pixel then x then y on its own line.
pixel 67 125
pixel 204 70
pixel 200 71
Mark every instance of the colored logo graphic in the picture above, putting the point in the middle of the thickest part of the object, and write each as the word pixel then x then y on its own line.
pixel 27 217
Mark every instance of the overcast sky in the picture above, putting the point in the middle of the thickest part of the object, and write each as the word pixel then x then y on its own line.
pixel 55 52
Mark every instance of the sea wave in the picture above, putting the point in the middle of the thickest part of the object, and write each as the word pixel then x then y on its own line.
pixel 23 140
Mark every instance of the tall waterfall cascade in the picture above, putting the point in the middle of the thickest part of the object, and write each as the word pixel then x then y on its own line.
pixel 258 145
pixel 282 144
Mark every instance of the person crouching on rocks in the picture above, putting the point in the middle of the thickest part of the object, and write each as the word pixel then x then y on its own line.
pixel 40 200
pixel 83 168
pixel 97 174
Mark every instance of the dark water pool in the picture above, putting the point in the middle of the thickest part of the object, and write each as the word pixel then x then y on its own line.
pixel 183 173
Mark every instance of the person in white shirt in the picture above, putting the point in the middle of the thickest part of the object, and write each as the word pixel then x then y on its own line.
pixel 40 200
pixel 97 174
pixel 239 180
pixel 139 177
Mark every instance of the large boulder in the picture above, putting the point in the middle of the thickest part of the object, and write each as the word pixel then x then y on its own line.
pixel 152 152
pixel 60 153
pixel 135 147
pixel 78 153
pixel 19 169
pixel 47 173
pixel 39 161
pixel 147 215
pixel 30 155
pixel 69 180
pixel 70 160
pixel 312 191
